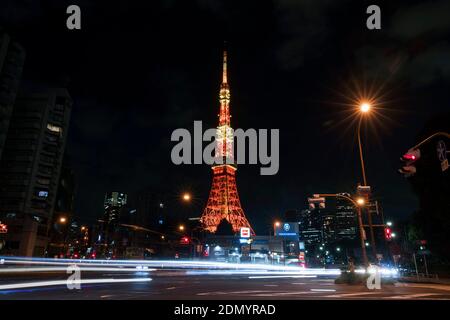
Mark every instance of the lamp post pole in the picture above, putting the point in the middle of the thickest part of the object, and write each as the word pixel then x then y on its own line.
pixel 369 214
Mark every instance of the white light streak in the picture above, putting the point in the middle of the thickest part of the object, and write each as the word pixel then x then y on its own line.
pixel 64 269
pixel 64 282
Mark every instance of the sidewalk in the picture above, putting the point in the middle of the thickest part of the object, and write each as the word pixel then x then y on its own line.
pixel 414 279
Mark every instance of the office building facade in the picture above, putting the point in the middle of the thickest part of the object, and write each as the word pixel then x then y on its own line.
pixel 12 58
pixel 30 168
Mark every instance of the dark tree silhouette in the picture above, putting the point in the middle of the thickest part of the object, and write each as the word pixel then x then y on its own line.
pixel 432 186
pixel 224 228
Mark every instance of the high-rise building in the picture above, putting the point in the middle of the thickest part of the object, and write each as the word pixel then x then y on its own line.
pixel 114 202
pixel 310 227
pixel 346 223
pixel 107 232
pixel 12 58
pixel 150 208
pixel 30 168
pixel 59 233
pixel 223 201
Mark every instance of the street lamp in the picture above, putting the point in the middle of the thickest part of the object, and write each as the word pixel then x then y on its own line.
pixel 364 108
pixel 276 225
pixel 186 196
pixel 62 220
pixel 360 201
pixel 181 227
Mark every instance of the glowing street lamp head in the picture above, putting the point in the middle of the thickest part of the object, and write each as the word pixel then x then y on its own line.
pixel 364 107
pixel 186 196
pixel 277 224
pixel 360 201
pixel 181 227
pixel 62 220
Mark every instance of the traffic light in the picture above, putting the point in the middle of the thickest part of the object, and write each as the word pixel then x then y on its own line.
pixel 316 200
pixel 185 240
pixel 409 158
pixel 3 228
pixel 388 234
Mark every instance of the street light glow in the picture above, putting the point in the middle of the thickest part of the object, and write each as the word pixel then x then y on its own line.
pixel 389 224
pixel 360 201
pixel 364 107
pixel 277 224
pixel 186 196
pixel 181 227
pixel 62 220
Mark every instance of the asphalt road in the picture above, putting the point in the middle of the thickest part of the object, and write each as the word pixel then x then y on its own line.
pixel 177 284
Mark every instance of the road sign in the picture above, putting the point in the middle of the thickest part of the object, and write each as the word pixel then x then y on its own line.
pixel 442 154
pixel 444 165
pixel 245 232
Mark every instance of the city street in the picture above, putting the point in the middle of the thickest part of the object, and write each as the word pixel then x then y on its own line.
pixel 212 151
pixel 181 284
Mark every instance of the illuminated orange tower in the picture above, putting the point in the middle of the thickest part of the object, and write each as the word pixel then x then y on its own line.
pixel 223 201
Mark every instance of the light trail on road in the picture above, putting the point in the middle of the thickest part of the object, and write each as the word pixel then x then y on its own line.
pixel 179 264
pixel 68 282
pixel 64 269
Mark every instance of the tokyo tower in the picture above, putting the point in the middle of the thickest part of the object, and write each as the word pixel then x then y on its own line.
pixel 223 201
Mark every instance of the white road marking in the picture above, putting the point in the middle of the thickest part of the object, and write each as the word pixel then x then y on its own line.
pixel 170 288
pixel 65 282
pixel 230 292
pixel 275 294
pixel 270 285
pixel 343 295
pixel 323 290
pixel 430 286
pixel 269 277
pixel 413 296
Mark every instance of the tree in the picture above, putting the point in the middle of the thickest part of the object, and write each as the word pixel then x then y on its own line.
pixel 224 228
pixel 432 186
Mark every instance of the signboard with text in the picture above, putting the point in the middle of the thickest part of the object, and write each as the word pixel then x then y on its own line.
pixel 245 232
pixel 287 230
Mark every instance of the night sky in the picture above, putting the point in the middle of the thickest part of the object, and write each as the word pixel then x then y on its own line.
pixel 137 70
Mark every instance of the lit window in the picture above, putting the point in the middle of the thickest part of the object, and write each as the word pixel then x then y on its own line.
pixel 53 128
pixel 43 194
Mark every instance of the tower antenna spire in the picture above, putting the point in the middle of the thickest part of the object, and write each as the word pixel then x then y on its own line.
pixel 224 70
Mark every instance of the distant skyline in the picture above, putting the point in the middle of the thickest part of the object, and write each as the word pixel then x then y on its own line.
pixel 137 71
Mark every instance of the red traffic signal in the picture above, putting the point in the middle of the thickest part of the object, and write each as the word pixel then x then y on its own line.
pixel 3 228
pixel 185 240
pixel 409 158
pixel 388 233
pixel 316 200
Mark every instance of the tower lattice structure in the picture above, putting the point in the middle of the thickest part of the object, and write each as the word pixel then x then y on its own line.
pixel 223 201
